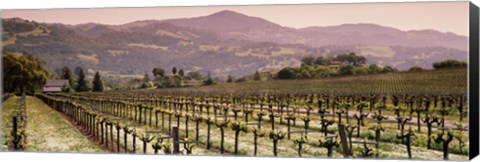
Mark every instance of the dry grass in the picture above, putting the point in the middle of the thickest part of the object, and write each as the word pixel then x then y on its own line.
pixel 152 46
pixel 88 58
pixel 48 131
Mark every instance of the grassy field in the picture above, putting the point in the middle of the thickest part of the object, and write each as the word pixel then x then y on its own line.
pixel 48 131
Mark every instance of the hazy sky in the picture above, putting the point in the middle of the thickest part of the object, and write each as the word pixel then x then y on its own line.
pixel 441 16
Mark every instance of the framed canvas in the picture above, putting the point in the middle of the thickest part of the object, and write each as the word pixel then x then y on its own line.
pixel 358 80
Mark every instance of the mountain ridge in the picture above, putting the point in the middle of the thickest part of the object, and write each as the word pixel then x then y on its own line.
pixel 162 43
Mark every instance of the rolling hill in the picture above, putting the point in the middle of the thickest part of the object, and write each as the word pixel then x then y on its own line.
pixel 224 43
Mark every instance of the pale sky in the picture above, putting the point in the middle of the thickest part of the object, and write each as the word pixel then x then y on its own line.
pixel 441 16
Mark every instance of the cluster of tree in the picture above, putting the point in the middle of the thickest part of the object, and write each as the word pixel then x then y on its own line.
pixel 450 63
pixel 23 73
pixel 81 83
pixel 255 77
pixel 209 80
pixel 348 59
pixel 176 79
pixel 340 65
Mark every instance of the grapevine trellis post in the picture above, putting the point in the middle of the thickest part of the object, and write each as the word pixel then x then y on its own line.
pixel 176 139
pixel 16 138
pixel 347 150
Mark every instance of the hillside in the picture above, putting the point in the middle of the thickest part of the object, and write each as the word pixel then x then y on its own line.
pixel 239 26
pixel 218 44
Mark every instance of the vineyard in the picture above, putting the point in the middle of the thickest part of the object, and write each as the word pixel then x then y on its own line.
pixel 420 115
pixel 446 81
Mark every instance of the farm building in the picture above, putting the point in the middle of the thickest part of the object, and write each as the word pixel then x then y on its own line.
pixel 53 86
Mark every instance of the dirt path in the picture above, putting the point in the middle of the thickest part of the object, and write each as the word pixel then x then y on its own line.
pixel 48 131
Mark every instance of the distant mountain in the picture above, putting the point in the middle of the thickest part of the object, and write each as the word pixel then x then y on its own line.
pixel 226 21
pixel 238 26
pixel 234 25
pixel 371 34
pixel 362 28
pixel 224 43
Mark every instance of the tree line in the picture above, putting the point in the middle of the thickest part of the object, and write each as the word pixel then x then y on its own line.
pixel 348 64
pixel 25 73
pixel 80 84
pixel 177 78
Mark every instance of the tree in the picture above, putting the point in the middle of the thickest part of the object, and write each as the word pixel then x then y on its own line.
pixel 320 60
pixel 66 88
pixel 308 60
pixel 415 68
pixel 230 79
pixel 345 70
pixel 388 69
pixel 81 82
pixel 305 74
pixel 360 70
pixel 22 73
pixel 97 83
pixel 145 83
pixel 450 63
pixel 67 74
pixel 208 81
pixel 374 68
pixel 146 78
pixel 286 73
pixel 195 75
pixel 76 71
pixel 174 70
pixel 181 73
pixel 158 72
pixel 257 76
pixel 178 80
pixel 351 59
